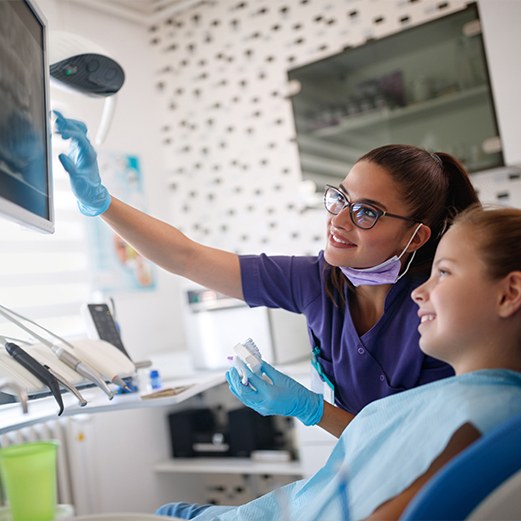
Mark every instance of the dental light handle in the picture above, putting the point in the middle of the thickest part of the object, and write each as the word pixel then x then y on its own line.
pixel 37 370
pixel 82 368
pixel 67 385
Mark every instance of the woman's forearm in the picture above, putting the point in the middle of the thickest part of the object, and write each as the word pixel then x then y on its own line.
pixel 170 249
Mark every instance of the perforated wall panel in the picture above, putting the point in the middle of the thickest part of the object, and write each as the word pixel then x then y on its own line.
pixel 231 158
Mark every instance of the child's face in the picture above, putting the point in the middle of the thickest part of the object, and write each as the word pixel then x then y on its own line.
pixel 457 305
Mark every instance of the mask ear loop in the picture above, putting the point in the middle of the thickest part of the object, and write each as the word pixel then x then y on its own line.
pixel 413 253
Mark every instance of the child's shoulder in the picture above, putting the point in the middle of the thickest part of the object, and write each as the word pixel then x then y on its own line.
pixel 486 397
pixel 485 386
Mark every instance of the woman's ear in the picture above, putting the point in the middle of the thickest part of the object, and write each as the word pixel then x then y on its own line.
pixel 510 301
pixel 423 234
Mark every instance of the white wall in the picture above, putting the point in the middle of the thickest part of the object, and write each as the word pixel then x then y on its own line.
pixel 149 319
pixel 501 22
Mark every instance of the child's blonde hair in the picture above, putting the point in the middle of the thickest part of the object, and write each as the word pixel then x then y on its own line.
pixel 497 232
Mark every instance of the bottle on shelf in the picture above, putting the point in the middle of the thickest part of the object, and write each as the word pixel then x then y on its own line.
pixel 155 380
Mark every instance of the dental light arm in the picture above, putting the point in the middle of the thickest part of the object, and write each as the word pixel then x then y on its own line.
pixel 106 119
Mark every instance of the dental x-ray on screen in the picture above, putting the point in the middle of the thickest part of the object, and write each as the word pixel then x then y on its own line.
pixel 25 160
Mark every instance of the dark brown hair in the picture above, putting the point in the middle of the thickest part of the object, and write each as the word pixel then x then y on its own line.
pixel 497 233
pixel 435 186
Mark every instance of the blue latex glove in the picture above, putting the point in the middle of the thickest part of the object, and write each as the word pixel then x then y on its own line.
pixel 286 397
pixel 82 167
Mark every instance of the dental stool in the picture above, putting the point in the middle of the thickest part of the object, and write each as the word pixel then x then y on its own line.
pixel 483 482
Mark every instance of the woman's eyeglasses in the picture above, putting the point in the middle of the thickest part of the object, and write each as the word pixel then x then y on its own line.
pixel 363 215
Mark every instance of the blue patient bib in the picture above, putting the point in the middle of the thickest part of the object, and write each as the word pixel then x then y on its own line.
pixel 391 443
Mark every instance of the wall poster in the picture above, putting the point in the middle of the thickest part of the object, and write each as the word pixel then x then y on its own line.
pixel 116 265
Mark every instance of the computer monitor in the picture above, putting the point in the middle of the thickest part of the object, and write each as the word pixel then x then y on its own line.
pixel 26 194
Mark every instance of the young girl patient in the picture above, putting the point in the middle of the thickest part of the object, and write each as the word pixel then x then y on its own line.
pixel 470 311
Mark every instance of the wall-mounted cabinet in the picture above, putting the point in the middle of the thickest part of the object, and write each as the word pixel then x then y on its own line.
pixel 427 85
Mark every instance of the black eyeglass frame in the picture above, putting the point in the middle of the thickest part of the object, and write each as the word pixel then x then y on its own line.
pixel 348 204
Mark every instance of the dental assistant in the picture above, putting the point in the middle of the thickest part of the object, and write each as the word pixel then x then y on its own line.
pixel 393 204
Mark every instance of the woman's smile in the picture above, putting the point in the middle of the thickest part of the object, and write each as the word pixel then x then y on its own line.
pixel 338 241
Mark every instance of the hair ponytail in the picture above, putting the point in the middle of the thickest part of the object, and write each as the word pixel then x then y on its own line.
pixel 460 193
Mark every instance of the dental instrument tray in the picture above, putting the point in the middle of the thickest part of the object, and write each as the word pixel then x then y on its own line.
pixel 105 358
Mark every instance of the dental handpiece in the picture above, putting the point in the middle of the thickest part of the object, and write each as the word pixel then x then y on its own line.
pixel 20 391
pixel 82 368
pixel 67 385
pixel 118 380
pixel 37 370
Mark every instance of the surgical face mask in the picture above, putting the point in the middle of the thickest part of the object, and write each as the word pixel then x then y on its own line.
pixel 388 272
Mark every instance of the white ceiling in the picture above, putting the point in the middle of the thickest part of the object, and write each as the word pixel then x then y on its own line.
pixel 138 7
pixel 142 7
pixel 140 11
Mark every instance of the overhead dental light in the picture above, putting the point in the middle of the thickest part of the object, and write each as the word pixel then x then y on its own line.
pixel 78 64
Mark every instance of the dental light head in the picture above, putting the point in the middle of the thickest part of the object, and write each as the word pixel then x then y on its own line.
pixel 83 66
pixel 80 65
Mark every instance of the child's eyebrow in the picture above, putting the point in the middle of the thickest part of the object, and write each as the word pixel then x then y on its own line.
pixel 443 259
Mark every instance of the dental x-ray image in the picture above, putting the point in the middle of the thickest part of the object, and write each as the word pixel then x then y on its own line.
pixel 23 152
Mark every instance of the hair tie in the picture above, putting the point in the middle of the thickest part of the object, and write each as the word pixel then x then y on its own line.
pixel 437 158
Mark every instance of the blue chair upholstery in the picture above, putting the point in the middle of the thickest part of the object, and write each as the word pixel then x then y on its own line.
pixel 455 491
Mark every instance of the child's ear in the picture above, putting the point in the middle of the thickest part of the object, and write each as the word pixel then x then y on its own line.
pixel 510 301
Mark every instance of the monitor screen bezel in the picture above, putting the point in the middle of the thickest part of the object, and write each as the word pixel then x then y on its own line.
pixel 7 208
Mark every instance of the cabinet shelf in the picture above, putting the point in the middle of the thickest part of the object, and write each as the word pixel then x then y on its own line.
pixel 378 117
pixel 227 466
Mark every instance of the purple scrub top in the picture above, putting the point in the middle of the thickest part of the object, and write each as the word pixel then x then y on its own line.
pixel 385 360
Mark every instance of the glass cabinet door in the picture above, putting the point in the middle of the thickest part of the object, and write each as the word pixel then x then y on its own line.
pixel 426 86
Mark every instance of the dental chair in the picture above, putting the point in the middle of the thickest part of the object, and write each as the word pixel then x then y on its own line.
pixel 483 482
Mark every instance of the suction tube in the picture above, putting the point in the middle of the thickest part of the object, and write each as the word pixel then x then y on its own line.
pixel 36 369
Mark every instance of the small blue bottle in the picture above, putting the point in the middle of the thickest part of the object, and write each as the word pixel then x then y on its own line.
pixel 155 379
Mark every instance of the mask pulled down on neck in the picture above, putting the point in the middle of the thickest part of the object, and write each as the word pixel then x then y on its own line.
pixel 387 272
